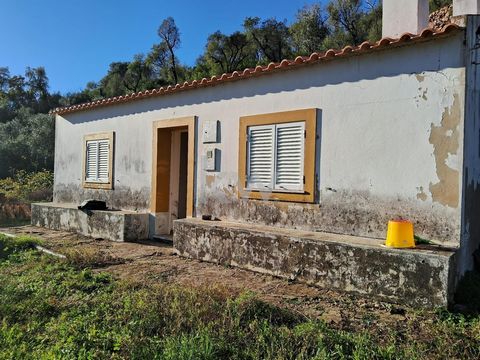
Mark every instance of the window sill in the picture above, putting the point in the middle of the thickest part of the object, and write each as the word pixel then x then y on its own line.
pixel 276 195
pixel 280 191
pixel 97 185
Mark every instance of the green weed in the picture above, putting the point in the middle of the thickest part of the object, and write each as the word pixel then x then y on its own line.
pixel 50 308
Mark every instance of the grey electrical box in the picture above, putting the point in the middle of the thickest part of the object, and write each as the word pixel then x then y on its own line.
pixel 210 129
pixel 211 159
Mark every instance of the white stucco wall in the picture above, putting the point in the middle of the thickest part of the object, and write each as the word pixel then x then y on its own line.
pixel 378 156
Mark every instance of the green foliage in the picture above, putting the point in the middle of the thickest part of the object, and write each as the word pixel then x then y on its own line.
pixel 421 241
pixel 24 186
pixel 13 245
pixel 310 30
pixel 437 4
pixel 27 143
pixel 353 21
pixel 270 37
pixel 26 131
pixel 51 309
pixel 29 91
pixel 227 53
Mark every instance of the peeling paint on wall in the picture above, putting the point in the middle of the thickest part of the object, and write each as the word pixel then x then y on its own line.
pixel 209 179
pixel 421 195
pixel 445 141
pixel 420 77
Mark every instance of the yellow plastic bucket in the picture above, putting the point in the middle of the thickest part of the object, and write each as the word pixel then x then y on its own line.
pixel 400 234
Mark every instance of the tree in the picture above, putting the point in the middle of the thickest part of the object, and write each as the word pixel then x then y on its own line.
pixel 113 84
pixel 27 143
pixel 272 38
pixel 170 36
pixel 29 91
pixel 138 74
pixel 227 53
pixel 4 77
pixel 437 4
pixel 345 18
pixel 202 69
pixel 353 21
pixel 36 82
pixel 160 70
pixel 309 30
pixel 372 20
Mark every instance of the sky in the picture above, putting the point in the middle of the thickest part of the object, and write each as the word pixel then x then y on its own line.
pixel 76 40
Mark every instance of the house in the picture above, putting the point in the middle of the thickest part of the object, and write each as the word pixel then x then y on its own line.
pixel 299 164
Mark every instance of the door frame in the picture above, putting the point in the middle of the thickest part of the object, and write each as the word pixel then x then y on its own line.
pixel 189 123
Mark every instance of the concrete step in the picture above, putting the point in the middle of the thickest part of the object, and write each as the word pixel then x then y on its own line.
pixel 422 276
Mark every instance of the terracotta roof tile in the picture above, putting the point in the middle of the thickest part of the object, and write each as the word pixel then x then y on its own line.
pixel 259 70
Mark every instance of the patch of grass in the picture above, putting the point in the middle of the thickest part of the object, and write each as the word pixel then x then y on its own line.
pixel 10 245
pixel 419 240
pixel 51 309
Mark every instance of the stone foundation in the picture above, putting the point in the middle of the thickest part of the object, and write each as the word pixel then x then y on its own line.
pixel 418 277
pixel 111 225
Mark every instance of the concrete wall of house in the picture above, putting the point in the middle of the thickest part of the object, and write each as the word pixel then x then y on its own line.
pixel 390 145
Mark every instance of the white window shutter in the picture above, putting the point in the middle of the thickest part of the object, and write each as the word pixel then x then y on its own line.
pixel 91 161
pixel 290 141
pixel 97 160
pixel 103 160
pixel 260 161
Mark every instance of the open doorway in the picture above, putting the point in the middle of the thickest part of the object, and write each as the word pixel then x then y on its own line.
pixel 172 173
pixel 178 176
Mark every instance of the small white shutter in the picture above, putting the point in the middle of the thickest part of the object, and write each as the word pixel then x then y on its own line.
pixel 97 161
pixel 91 160
pixel 103 160
pixel 260 157
pixel 290 141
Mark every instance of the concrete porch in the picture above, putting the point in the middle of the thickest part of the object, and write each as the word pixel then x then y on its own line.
pixel 115 225
pixel 424 276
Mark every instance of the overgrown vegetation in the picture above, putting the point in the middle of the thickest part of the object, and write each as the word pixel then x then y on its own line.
pixel 27 187
pixel 17 192
pixel 26 130
pixel 51 308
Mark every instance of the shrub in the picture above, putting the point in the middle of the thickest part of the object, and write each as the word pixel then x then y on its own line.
pixel 27 187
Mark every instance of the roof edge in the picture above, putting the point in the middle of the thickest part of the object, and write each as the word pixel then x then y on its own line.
pixel 366 47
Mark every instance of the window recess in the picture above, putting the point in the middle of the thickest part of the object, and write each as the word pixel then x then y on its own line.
pixel 98 161
pixel 277 156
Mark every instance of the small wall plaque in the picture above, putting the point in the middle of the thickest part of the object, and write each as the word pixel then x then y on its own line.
pixel 211 159
pixel 210 131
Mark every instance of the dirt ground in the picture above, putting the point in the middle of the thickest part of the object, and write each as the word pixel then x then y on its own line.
pixel 155 262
